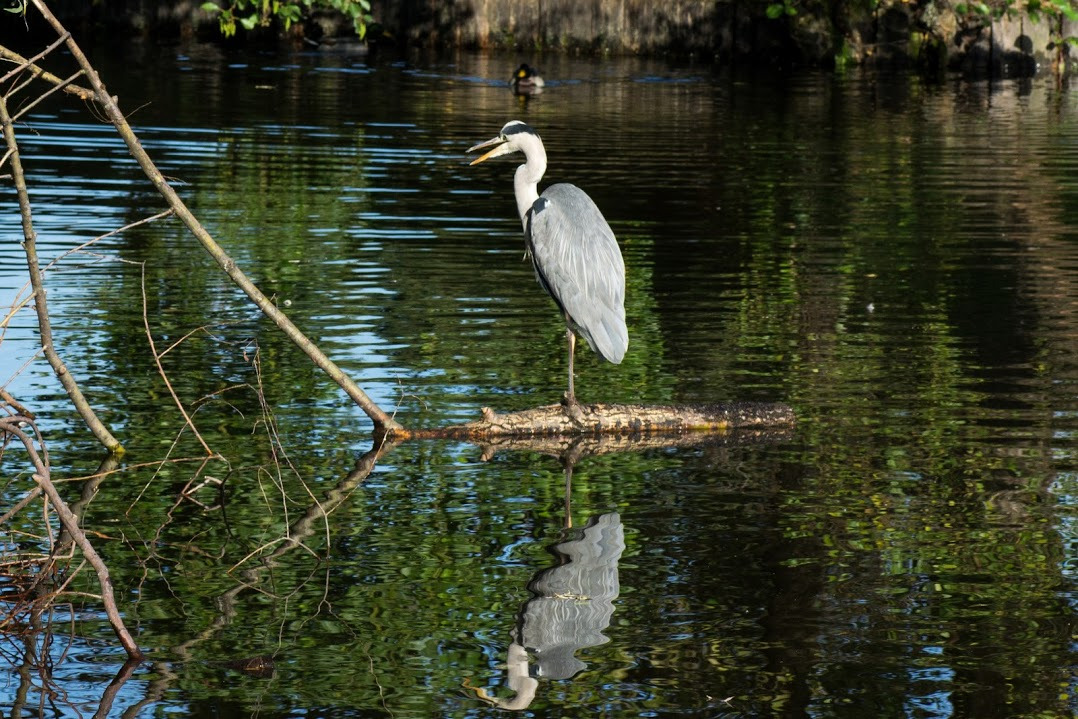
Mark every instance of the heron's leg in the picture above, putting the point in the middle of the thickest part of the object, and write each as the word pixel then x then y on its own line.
pixel 571 397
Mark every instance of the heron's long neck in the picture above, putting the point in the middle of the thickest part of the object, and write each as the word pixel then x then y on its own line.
pixel 526 181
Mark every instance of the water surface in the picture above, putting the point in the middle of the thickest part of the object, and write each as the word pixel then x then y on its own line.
pixel 896 261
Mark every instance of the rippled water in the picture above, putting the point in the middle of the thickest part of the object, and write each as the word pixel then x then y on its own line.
pixel 896 261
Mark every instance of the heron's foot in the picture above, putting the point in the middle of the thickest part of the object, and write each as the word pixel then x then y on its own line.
pixel 573 409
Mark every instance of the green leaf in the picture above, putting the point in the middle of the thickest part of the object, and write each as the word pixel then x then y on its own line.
pixel 775 10
pixel 287 12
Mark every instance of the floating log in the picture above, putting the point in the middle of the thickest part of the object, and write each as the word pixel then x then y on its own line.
pixel 560 420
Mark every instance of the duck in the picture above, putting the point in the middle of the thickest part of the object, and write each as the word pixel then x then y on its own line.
pixel 526 81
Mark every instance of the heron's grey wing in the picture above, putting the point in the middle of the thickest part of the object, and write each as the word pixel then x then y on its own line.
pixel 578 262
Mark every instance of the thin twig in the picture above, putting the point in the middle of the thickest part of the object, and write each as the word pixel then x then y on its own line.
pixel 18 506
pixel 110 233
pixel 24 365
pixel 18 304
pixel 130 467
pixel 161 369
pixel 190 334
pixel 28 63
pixel 63 84
pixel 25 64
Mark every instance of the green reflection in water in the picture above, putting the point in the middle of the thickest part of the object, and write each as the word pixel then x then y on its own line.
pixel 893 260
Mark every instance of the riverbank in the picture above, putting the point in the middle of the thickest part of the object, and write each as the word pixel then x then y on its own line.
pixel 933 37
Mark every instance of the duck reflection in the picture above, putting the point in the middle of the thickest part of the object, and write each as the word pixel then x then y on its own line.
pixel 572 606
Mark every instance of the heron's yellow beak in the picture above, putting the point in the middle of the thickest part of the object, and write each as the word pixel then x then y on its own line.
pixel 496 145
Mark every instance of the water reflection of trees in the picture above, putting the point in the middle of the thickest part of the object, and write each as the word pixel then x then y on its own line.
pixel 877 286
pixel 908 548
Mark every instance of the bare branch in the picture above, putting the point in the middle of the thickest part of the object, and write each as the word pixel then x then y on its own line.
pixel 161 369
pixel 264 303
pixel 28 64
pixel 63 85
pixel 12 425
pixel 7 399
pixel 44 323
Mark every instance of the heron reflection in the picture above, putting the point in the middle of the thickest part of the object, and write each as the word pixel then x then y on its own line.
pixel 572 606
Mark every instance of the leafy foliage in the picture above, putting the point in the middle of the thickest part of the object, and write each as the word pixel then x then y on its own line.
pixel 1034 8
pixel 260 13
pixel 776 10
pixel 1052 11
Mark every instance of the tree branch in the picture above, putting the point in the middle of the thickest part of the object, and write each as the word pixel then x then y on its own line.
pixel 28 64
pixel 112 110
pixel 44 323
pixel 11 425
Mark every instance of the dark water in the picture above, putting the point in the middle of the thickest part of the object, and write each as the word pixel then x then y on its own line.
pixel 896 261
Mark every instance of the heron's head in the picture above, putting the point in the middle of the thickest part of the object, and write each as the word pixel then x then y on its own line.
pixel 510 139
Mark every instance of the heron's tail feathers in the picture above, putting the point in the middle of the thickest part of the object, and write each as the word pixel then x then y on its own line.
pixel 608 338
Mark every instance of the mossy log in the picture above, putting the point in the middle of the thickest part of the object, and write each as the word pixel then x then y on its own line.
pixel 560 420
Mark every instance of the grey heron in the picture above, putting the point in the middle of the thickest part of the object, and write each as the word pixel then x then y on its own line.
pixel 572 248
